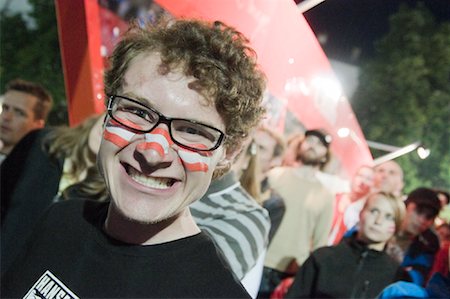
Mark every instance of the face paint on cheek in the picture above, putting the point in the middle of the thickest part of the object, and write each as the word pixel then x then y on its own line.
pixel 117 134
pixel 125 122
pixel 195 161
pixel 158 140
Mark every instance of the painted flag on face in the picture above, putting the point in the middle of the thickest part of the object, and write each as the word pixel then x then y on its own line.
pixel 195 161
pixel 117 133
pixel 158 140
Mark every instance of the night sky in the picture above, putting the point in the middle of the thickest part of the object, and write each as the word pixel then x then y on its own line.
pixel 357 23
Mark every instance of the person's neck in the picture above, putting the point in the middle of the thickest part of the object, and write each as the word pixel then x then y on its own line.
pixel 120 228
pixel 314 168
pixel 371 245
pixel 377 246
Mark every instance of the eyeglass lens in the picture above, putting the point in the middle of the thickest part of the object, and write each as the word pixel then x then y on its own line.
pixel 136 116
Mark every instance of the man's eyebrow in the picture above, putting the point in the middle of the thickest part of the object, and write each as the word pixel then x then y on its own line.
pixel 142 100
pixel 20 110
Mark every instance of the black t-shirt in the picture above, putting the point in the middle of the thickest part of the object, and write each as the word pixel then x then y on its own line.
pixel 69 255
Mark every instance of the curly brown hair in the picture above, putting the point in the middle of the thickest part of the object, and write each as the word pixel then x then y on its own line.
pixel 217 55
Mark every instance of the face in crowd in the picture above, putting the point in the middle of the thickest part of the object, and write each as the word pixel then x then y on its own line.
pixel 164 138
pixel 18 117
pixel 389 178
pixel 418 219
pixel 312 151
pixel 269 150
pixel 422 207
pixel 362 181
pixel 379 219
pixel 151 176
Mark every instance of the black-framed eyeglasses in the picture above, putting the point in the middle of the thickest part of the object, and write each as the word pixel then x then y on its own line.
pixel 137 117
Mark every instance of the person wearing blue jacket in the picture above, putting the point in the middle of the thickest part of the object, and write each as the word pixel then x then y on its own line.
pixel 415 245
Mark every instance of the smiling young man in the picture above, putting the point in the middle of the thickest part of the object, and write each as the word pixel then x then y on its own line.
pixel 182 97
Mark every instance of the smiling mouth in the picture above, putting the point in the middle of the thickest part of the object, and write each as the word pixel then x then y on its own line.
pixel 149 181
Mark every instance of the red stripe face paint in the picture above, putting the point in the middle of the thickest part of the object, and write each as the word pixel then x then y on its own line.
pixel 125 122
pixel 160 141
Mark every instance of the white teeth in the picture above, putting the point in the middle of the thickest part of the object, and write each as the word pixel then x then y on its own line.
pixel 156 183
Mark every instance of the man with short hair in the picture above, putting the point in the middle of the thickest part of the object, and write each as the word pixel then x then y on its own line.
pixel 388 177
pixel 347 206
pixel 25 107
pixel 309 209
pixel 415 245
pixel 182 96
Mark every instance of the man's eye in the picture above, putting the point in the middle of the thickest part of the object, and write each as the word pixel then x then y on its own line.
pixel 21 113
pixel 142 113
pixel 192 130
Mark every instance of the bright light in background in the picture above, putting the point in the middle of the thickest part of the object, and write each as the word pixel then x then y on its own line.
pixel 346 132
pixel 423 152
pixel 22 7
pixel 343 132
pixel 297 85
pixel 329 87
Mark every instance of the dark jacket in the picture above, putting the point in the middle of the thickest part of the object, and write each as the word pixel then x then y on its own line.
pixel 29 183
pixel 347 270
pixel 419 257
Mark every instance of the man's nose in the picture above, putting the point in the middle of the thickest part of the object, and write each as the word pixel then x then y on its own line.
pixel 6 115
pixel 156 144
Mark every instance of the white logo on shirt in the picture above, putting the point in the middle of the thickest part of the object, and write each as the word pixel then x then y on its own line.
pixel 49 287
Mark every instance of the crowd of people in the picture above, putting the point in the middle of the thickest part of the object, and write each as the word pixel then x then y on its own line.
pixel 181 190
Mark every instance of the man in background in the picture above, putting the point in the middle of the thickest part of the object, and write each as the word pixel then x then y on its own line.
pixel 309 208
pixel 347 206
pixel 388 177
pixel 415 244
pixel 25 107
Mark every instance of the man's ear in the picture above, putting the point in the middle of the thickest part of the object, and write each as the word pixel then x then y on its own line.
pixel 228 157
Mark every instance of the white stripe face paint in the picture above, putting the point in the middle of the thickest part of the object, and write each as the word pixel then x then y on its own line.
pixel 158 140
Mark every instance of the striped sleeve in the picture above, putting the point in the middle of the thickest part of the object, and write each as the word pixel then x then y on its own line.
pixel 237 224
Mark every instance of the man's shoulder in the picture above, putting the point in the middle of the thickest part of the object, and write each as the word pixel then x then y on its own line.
pixel 234 202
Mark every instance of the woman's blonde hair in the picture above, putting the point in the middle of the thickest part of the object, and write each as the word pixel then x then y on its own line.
pixel 250 175
pixel 73 143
